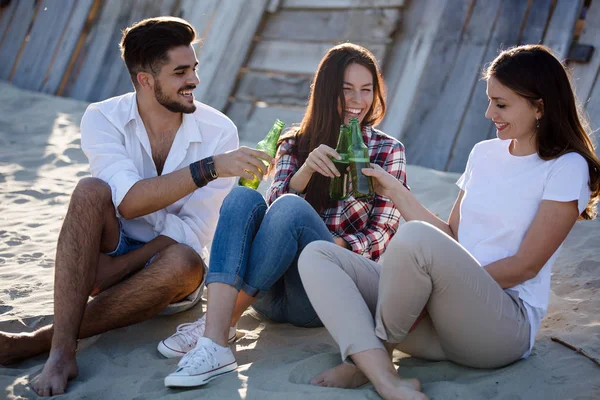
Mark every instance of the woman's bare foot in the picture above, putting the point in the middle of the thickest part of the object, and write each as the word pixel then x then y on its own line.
pixel 343 376
pixel 400 389
pixel 59 369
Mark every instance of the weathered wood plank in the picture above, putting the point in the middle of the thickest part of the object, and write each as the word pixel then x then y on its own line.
pixel 67 46
pixel 341 3
pixel 430 138
pixel 273 6
pixel 274 88
pixel 15 36
pixel 593 111
pixel 215 44
pixel 586 74
pixel 38 53
pixel 239 112
pixel 475 126
pixel 199 14
pixel 400 60
pixel 432 58
pixel 368 25
pixel 112 65
pixel 262 119
pixel 6 18
pixel 119 81
pixel 296 57
pixel 537 21
pixel 91 58
pixel 560 30
pixel 217 90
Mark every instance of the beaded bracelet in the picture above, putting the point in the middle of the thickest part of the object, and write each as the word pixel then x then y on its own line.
pixel 203 171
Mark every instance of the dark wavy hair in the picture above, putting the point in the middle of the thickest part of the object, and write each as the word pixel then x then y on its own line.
pixel 533 72
pixel 321 122
pixel 145 44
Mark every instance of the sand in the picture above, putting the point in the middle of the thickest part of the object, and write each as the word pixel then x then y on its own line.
pixel 40 163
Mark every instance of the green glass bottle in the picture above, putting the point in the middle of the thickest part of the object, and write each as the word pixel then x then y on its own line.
pixel 358 158
pixel 338 186
pixel 269 146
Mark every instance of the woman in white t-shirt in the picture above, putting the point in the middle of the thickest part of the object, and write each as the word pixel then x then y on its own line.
pixel 474 289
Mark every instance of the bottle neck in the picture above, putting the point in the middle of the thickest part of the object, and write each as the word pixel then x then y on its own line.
pixel 273 135
pixel 356 138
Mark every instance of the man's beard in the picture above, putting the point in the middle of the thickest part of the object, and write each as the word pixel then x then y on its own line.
pixel 169 104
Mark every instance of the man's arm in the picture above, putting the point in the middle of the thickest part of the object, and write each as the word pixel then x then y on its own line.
pixel 152 194
pixel 134 196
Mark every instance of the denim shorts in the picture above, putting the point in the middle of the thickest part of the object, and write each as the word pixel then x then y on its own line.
pixel 127 244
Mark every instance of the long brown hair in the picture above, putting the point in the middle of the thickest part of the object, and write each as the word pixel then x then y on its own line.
pixel 533 72
pixel 321 122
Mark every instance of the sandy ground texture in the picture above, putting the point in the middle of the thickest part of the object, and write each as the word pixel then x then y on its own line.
pixel 40 163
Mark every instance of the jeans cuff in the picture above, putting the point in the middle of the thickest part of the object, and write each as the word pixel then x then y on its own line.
pixel 228 279
pixel 252 291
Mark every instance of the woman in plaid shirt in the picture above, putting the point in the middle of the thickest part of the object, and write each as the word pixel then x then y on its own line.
pixel 257 244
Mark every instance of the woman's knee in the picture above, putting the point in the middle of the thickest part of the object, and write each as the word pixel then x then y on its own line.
pixel 412 235
pixel 313 253
pixel 241 198
pixel 290 209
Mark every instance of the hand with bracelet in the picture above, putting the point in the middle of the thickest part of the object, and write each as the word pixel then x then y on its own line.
pixel 243 162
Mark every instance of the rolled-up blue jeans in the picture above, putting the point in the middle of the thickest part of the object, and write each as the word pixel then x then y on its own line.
pixel 256 249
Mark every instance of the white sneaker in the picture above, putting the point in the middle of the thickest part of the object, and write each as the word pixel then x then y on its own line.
pixel 205 362
pixel 186 337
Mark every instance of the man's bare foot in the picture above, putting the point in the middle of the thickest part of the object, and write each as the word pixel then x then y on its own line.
pixel 343 376
pixel 59 369
pixel 17 347
pixel 401 389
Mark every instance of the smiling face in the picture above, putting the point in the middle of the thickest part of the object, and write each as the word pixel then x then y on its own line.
pixel 174 85
pixel 358 93
pixel 514 115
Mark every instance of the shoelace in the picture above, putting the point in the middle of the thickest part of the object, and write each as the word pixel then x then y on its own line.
pixel 198 357
pixel 187 334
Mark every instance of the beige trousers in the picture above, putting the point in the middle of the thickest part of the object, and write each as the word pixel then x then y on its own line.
pixel 471 319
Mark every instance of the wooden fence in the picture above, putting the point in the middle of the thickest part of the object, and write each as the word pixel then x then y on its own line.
pixel 437 101
pixel 70 47
pixel 258 56
pixel 295 34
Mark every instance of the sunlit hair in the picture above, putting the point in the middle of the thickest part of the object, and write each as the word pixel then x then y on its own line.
pixel 533 72
pixel 321 122
pixel 145 44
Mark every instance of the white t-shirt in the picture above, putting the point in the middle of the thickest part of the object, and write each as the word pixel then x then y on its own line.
pixel 502 196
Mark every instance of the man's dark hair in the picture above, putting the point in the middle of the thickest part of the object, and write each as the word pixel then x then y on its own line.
pixel 145 44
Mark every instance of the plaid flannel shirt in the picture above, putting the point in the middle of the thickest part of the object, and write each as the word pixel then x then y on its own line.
pixel 366 225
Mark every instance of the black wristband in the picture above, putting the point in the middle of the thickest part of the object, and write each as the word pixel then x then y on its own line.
pixel 203 171
pixel 210 165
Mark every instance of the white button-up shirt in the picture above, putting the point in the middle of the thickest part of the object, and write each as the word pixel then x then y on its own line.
pixel 116 143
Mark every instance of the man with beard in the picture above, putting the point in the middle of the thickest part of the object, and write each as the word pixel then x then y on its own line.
pixel 137 232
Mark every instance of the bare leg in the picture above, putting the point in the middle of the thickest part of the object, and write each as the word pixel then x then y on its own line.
pixel 242 303
pixel 87 222
pixel 221 301
pixel 16 347
pixel 89 228
pixel 175 273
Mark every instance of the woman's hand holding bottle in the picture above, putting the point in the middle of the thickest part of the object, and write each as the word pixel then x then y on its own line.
pixel 319 160
pixel 384 183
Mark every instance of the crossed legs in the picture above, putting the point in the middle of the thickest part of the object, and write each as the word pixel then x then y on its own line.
pixel 91 228
pixel 472 321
